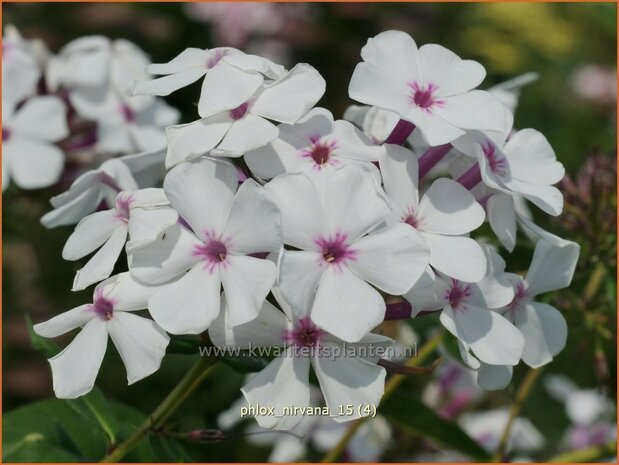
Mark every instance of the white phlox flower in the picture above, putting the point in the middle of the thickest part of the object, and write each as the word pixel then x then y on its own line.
pixel 429 86
pixel 223 227
pixel 315 145
pixel 140 341
pixel 29 132
pixel 344 379
pixel 140 215
pixel 338 261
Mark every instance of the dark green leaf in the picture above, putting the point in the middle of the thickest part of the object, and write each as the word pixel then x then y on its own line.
pixel 247 364
pixel 47 346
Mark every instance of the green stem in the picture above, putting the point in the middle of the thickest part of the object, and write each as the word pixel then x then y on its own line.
pixel 521 395
pixel 390 386
pixel 590 454
pixel 595 281
pixel 186 386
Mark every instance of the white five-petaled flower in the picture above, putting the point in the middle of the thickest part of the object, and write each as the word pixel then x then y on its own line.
pixel 542 325
pixel 345 379
pixel 338 260
pixel 431 87
pixel 314 145
pixel 468 312
pixel 225 230
pixel 140 215
pixel 443 216
pixel 140 342
pixel 229 129
pixel 29 155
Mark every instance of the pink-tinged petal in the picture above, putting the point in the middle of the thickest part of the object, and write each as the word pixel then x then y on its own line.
pixel 140 343
pixel 90 234
pixel 125 293
pixel 392 259
pixel 254 224
pixel 165 259
pixel 33 164
pixel 246 282
pixel 494 377
pixel 544 330
pixel 399 168
pixel 226 87
pixel 372 86
pixel 246 134
pixel 283 383
pixel 395 53
pixel 552 266
pixel 299 273
pixel 447 71
pixel 532 159
pixel 101 264
pixel 41 118
pixel 291 97
pixel 476 109
pixel 267 330
pixel 75 369
pixel 349 380
pixel 188 141
pixel 202 192
pixel 188 305
pixel 64 322
pixel 345 305
pixel 301 211
pixel 502 219
pixel 458 257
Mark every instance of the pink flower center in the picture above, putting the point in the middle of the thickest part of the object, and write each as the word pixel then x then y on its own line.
pixel 304 334
pixel 102 306
pixel 423 97
pixel 320 152
pixel 123 204
pixel 6 134
pixel 520 294
pixel 214 253
pixel 240 111
pixel 336 250
pixel 214 58
pixel 127 113
pixel 457 294
pixel 495 160
pixel 411 220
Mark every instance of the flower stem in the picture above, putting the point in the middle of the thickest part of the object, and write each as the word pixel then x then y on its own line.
pixel 390 386
pixel 590 454
pixel 186 386
pixel 431 157
pixel 521 395
pixel 471 177
pixel 400 133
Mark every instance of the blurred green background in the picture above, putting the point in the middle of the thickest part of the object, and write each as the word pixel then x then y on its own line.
pixel 572 47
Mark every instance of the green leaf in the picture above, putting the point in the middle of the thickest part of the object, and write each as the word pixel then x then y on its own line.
pixel 40 343
pixel 95 406
pixel 184 345
pixel 246 364
pixel 411 414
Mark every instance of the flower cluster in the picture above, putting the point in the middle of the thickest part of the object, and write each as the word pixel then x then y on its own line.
pixel 279 226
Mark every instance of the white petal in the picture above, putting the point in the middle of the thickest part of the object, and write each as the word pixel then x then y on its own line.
pixel 301 211
pixel 248 133
pixel 395 53
pixel 299 273
pixel 34 164
pixel 254 224
pixel 90 234
pixel 75 368
pixel 548 198
pixel 435 129
pixel 372 86
pixel 41 118
pixel 254 63
pixel 74 210
pixel 166 85
pixel 492 338
pixel 544 330
pixel 532 159
pixel 476 109
pixel 345 305
pixel 458 257
pixel 352 143
pixel 447 71
pixel 291 97
pixel 349 381
pixel 164 259
pixel 189 58
pixel 126 293
pixel 399 168
pixel 448 208
pixel 64 322
pixel 202 193
pixel 140 342
pixel 283 383
pixel 188 141
pixel 148 224
pixel 226 87
pixel 494 377
pixel 353 202
pixel 502 219
pixel 552 266
pixel 267 330
pixel 246 282
pixel 428 298
pixel 188 305
pixel 101 265
pixel 392 259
